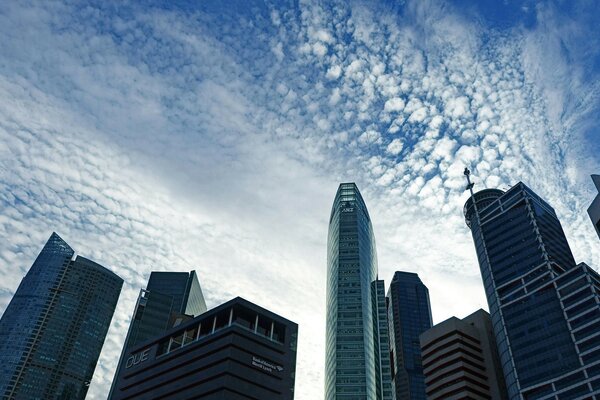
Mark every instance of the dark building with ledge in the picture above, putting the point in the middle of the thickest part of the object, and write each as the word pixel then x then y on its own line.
pixel 235 351
pixel 545 308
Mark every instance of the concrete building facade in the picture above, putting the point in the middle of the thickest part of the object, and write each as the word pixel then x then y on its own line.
pixel 460 360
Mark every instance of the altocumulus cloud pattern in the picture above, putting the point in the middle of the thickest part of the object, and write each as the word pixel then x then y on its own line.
pixel 213 136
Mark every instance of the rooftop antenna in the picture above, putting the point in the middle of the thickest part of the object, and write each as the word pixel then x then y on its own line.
pixel 470 189
pixel 469 183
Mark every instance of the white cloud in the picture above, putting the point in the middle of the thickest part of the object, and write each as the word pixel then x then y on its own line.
pixel 395 147
pixel 334 72
pixel 394 105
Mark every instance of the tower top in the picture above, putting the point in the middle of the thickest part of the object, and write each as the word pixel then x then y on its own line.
pixel 596 179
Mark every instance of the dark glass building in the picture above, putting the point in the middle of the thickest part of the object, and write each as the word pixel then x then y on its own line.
pixel 169 299
pixel 594 210
pixel 409 315
pixel 52 331
pixel 544 308
pixel 353 366
pixel 235 351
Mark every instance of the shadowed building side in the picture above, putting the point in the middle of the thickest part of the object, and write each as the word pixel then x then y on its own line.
pixel 409 315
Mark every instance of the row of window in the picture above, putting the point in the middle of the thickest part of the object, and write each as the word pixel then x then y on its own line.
pixel 236 315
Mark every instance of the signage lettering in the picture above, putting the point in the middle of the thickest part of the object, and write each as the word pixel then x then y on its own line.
pixel 266 365
pixel 135 359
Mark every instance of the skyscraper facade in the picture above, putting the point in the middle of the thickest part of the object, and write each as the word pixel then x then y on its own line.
pixel 353 359
pixel 594 209
pixel 169 298
pixel 544 308
pixel 52 331
pixel 382 348
pixel 409 315
pixel 460 360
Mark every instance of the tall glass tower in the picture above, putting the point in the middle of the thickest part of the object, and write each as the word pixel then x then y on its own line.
pixel 169 298
pixel 54 327
pixel 409 314
pixel 545 309
pixel 353 368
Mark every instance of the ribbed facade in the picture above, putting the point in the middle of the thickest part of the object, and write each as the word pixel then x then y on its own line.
pixel 52 331
pixel 460 360
pixel 352 362
pixel 236 351
pixel 525 259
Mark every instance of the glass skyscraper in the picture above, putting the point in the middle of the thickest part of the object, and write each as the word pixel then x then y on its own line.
pixel 169 298
pixel 409 315
pixel 353 367
pixel 52 331
pixel 545 309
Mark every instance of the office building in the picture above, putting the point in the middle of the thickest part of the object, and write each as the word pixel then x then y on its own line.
pixel 460 360
pixel 544 307
pixel 594 210
pixel 52 331
pixel 409 315
pixel 382 347
pixel 169 299
pixel 235 351
pixel 353 359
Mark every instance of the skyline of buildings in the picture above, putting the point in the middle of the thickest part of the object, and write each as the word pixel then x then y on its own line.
pixel 544 307
pixel 53 330
pixel 167 135
pixel 545 318
pixel 409 313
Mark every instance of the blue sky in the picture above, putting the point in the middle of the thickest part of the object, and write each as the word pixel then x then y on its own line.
pixel 212 136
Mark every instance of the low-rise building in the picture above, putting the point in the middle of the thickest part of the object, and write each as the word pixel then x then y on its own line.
pixel 237 350
pixel 460 360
